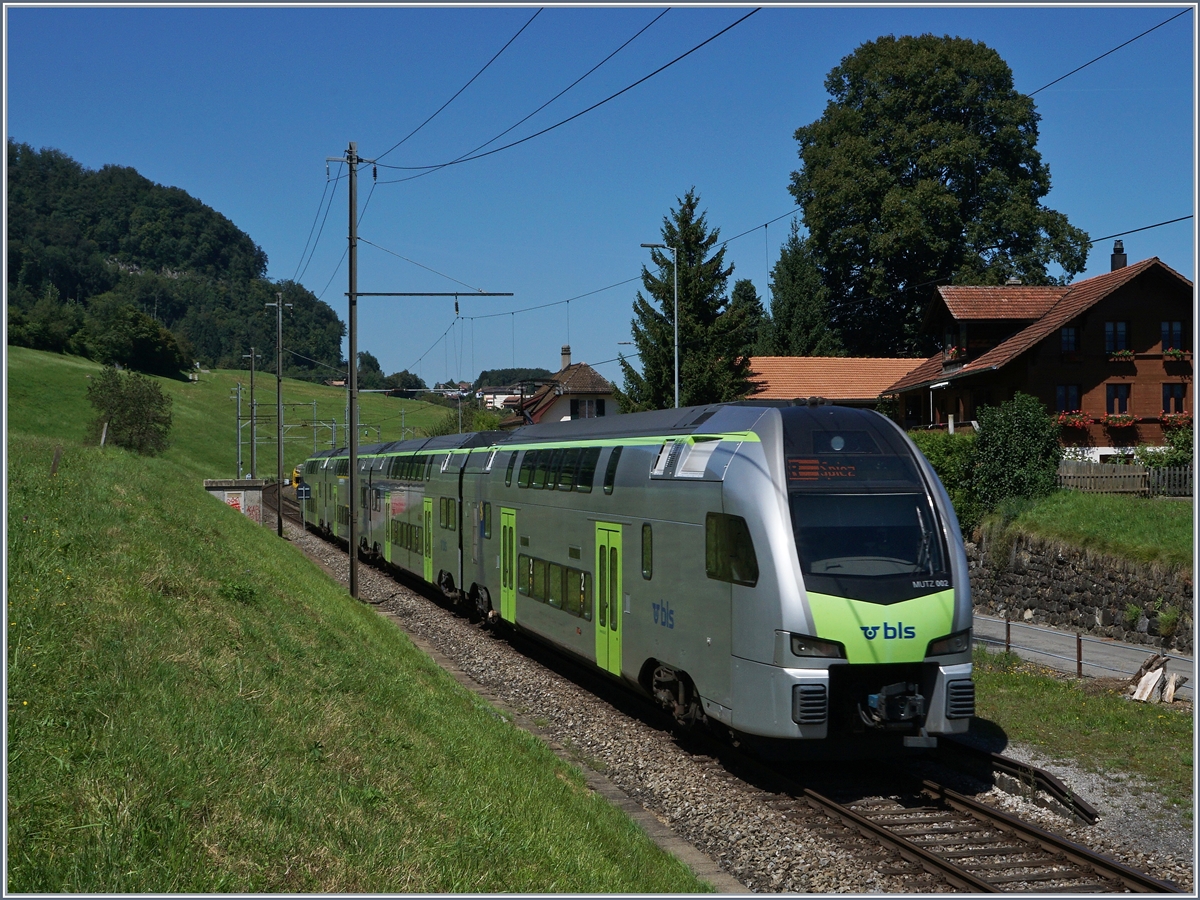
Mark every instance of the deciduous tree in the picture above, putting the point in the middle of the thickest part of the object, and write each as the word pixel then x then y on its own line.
pixel 131 411
pixel 923 169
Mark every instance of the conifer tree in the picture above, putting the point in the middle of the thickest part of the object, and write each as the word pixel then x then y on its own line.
pixel 712 368
pixel 799 305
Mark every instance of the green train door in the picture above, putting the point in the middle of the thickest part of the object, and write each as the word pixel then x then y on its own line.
pixel 387 526
pixel 608 582
pixel 508 564
pixel 428 529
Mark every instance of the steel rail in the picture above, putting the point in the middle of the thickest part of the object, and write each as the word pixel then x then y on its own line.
pixel 1103 865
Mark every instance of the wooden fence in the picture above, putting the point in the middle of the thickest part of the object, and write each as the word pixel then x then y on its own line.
pixel 1109 478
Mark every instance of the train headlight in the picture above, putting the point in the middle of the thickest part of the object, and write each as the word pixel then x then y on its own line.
pixel 954 643
pixel 803 645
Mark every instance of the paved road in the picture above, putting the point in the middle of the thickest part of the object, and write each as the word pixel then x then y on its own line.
pixel 1058 649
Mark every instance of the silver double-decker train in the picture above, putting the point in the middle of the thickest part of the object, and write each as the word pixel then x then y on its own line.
pixel 791 572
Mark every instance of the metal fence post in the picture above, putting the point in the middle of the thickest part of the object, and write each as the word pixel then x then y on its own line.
pixel 1007 634
pixel 1078 655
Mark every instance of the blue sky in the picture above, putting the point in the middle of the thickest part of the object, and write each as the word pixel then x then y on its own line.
pixel 240 107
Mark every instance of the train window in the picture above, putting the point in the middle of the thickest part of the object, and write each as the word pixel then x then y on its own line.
pixel 512 461
pixel 728 550
pixel 537 580
pixel 487 519
pixel 526 476
pixel 554 589
pixel 585 595
pixel 603 582
pixel 588 458
pixel 556 464
pixel 647 551
pixel 542 466
pixel 570 462
pixel 610 473
pixel 429 469
pixel 524 573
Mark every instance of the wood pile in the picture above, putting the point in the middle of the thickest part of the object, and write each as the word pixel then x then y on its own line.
pixel 1152 684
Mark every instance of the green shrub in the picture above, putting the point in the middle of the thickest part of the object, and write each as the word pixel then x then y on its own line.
pixel 953 458
pixel 1016 452
pixel 1168 621
pixel 1177 451
pixel 1133 612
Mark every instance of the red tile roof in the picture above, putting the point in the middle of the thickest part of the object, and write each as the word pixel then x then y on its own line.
pixel 1078 298
pixel 1010 301
pixel 576 380
pixel 832 377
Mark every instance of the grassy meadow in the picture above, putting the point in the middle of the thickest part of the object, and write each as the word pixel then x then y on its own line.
pixel 193 707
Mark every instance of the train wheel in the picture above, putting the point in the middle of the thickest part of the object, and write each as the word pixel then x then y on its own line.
pixel 674 692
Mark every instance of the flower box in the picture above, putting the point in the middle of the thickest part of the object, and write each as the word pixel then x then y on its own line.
pixel 1174 353
pixel 1175 420
pixel 1118 420
pixel 955 353
pixel 1074 419
pixel 1120 356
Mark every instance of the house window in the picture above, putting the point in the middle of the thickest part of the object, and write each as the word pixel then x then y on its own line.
pixel 1173 398
pixel 587 409
pixel 1116 336
pixel 1070 339
pixel 1068 397
pixel 1117 398
pixel 1172 335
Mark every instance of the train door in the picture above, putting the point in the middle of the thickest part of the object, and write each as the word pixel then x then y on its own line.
pixel 608 616
pixel 427 572
pixel 387 526
pixel 508 564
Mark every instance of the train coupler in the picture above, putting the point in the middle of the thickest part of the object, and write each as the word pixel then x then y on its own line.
pixel 896 704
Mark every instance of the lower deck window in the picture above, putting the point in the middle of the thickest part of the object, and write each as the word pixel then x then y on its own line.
pixel 556 585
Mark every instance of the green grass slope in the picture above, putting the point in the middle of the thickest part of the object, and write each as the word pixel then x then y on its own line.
pixel 192 706
pixel 47 395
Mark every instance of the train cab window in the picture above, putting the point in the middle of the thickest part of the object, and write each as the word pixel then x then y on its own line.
pixel 728 550
pixel 588 458
pixel 512 461
pixel 570 462
pixel 610 473
pixel 527 463
pixel 647 551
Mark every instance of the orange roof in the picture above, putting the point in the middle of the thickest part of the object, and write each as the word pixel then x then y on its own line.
pixel 833 377
pixel 1010 301
pixel 1078 298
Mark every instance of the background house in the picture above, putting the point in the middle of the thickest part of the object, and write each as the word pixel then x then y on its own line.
pixel 847 381
pixel 1115 348
pixel 576 391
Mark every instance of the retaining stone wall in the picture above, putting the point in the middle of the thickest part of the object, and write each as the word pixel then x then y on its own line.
pixel 1051 584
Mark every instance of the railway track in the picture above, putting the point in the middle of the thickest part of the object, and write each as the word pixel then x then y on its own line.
pixel 958 841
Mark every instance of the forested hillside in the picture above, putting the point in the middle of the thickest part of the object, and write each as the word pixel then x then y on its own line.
pixel 109 265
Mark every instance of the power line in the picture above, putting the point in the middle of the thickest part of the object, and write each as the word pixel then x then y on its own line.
pixel 1113 50
pixel 322 230
pixel 1143 228
pixel 296 275
pixel 421 265
pixel 594 106
pixel 461 89
pixel 543 106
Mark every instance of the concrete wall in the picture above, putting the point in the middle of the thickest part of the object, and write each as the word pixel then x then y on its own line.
pixel 243 494
pixel 1045 583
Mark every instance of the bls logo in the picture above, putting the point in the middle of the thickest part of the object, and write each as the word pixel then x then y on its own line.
pixel 664 615
pixel 899 631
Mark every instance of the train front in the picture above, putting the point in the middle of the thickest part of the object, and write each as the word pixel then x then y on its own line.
pixel 873 627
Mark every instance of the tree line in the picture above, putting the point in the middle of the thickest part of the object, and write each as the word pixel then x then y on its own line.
pixel 109 265
pixel 922 170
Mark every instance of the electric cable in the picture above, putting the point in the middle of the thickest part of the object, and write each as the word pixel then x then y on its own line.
pixel 594 106
pixel 461 89
pixel 420 265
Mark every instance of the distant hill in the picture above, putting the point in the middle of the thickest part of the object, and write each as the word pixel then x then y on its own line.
pixel 109 265
pixel 505 377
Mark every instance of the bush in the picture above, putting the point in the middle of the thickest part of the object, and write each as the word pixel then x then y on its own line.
pixel 473 419
pixel 1177 450
pixel 133 407
pixel 1016 452
pixel 953 458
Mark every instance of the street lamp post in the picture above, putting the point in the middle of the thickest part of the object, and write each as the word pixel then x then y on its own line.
pixel 675 266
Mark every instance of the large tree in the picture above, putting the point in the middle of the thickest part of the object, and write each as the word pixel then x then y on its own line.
pixel 712 368
pixel 756 326
pixel 923 169
pixel 799 304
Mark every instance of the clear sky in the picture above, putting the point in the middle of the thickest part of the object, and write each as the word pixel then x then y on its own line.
pixel 241 106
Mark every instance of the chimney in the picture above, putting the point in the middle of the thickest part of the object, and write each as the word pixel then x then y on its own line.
pixel 566 355
pixel 1119 259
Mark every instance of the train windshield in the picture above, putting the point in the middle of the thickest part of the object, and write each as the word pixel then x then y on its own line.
pixel 864 523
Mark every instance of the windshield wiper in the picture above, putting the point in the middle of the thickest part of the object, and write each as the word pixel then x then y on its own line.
pixel 924 557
